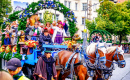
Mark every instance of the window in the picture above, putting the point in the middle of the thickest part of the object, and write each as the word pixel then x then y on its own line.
pixel 69 5
pixel 65 3
pixel 84 5
pixel 40 15
pixel 57 18
pixel 76 5
pixel 83 21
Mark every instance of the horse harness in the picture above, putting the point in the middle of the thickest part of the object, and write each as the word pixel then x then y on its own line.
pixel 107 72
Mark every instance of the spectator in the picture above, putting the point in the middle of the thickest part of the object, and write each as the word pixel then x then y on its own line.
pixel 126 48
pixel 45 67
pixel 15 69
pixel 65 26
pixel 100 38
pixel 96 38
pixel 5 76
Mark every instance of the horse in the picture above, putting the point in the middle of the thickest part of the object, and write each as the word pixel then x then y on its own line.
pixel 80 70
pixel 113 53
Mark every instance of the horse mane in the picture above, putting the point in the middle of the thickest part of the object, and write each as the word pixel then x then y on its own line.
pixel 91 49
pixel 111 49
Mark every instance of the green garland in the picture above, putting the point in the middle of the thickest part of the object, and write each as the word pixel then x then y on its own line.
pixel 14 16
pixel 102 32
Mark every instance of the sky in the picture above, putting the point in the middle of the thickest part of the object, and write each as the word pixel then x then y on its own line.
pixel 21 3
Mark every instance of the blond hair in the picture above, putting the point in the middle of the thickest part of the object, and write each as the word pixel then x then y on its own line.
pixel 58 21
pixel 5 76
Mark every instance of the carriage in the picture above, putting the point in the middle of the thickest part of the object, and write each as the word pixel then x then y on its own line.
pixel 80 62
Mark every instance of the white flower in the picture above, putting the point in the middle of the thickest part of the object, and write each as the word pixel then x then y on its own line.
pixel 30 9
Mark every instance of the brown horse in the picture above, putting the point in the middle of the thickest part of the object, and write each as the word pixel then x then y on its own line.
pixel 111 55
pixel 81 71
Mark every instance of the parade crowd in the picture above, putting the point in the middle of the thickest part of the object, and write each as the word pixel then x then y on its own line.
pixel 98 38
pixel 43 33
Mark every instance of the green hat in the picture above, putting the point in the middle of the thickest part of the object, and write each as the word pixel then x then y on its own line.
pixel 48 50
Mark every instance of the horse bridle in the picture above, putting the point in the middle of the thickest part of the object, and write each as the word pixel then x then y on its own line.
pixel 119 62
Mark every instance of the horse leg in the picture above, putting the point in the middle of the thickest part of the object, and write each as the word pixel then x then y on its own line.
pixel 65 75
pixel 58 75
pixel 82 72
pixel 95 77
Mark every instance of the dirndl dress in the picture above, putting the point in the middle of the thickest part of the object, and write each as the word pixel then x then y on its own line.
pixel 58 38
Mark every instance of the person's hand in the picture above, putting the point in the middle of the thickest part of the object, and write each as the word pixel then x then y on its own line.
pixel 40 76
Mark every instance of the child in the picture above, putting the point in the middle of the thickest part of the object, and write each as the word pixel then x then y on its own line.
pixel 13 38
pixel 59 33
pixel 45 67
pixel 36 31
pixel 7 37
pixel 50 30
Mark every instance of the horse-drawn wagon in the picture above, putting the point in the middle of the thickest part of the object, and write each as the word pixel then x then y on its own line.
pixel 87 61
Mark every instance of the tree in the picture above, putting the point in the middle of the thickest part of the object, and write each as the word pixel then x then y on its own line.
pixel 5 7
pixel 115 18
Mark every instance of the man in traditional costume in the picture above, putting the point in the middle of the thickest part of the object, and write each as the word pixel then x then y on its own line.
pixel 45 67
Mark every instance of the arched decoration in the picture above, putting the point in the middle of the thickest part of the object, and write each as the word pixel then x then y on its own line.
pixel 102 32
pixel 22 16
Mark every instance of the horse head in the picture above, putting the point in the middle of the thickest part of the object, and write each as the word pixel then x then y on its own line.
pixel 119 57
pixel 96 51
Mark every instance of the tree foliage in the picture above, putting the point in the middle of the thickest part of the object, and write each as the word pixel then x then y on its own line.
pixel 5 7
pixel 115 18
